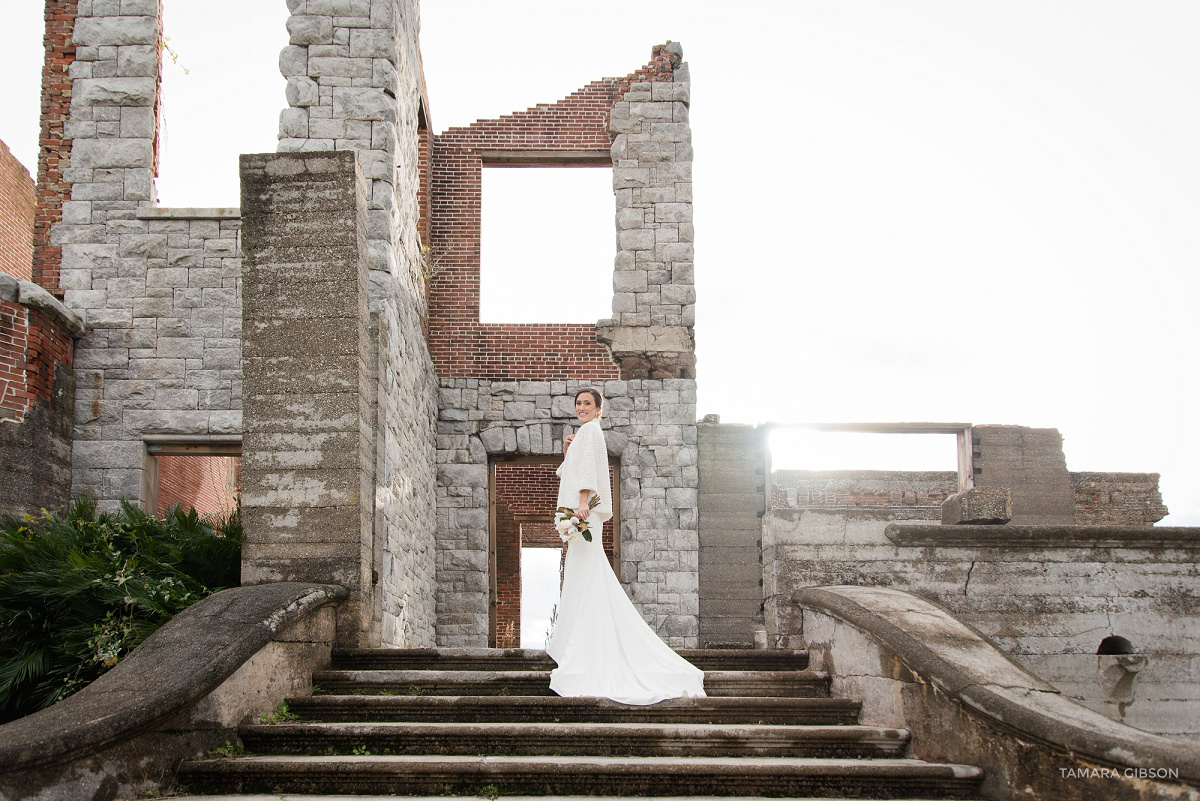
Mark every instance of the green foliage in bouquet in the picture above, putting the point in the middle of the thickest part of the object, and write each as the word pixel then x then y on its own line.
pixel 81 590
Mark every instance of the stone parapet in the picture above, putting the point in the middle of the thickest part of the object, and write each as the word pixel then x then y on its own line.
pixel 917 667
pixel 231 657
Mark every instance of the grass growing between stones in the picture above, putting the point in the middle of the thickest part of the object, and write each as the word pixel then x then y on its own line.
pixel 281 715
pixel 80 590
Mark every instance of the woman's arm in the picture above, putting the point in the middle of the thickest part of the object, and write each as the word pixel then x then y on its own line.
pixel 584 510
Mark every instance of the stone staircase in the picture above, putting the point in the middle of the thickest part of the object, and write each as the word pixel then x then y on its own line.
pixel 484 722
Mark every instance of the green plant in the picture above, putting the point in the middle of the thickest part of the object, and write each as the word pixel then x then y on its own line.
pixel 227 750
pixel 361 750
pixel 281 715
pixel 79 590
pixel 491 791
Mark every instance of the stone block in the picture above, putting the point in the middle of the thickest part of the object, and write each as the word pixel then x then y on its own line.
pixel 309 29
pixel 302 91
pixel 293 61
pixel 978 505
pixel 112 153
pixel 293 123
pixel 636 239
pixel 363 104
pixel 373 43
pixel 129 30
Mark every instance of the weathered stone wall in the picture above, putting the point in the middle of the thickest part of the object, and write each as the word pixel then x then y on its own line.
pixel 354 83
pixel 159 289
pixel 649 424
pixel 161 293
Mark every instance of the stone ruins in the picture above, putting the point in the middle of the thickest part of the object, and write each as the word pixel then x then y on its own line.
pixel 325 338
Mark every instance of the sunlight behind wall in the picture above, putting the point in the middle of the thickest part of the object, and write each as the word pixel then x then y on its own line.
pixel 806 449
pixel 547 245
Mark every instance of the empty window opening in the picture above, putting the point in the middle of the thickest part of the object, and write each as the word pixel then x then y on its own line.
pixel 907 468
pixel 547 245
pixel 221 96
pixel 1115 645
pixel 809 449
pixel 207 478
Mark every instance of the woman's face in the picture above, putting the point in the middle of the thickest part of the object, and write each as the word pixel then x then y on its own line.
pixel 585 408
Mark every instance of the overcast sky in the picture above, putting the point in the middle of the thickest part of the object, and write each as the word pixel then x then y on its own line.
pixel 977 212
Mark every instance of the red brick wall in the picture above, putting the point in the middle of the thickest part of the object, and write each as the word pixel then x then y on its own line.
pixel 53 147
pixel 31 346
pixel 461 346
pixel 18 203
pixel 202 483
pixel 508 577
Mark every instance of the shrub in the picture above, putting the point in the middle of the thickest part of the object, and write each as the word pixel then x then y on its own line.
pixel 80 592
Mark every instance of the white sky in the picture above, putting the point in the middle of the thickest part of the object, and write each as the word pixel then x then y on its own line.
pixel 938 211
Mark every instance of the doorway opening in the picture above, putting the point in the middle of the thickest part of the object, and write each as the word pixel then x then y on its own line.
pixel 526 554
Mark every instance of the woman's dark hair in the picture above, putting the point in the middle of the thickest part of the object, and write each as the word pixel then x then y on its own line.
pixel 596 396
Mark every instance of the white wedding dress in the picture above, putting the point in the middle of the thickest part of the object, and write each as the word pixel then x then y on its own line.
pixel 600 642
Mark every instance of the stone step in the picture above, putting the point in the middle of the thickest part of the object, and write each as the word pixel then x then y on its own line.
pixel 390 797
pixel 496 659
pixel 559 775
pixel 577 739
pixel 553 709
pixel 748 683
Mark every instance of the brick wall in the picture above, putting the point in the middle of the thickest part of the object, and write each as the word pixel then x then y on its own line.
pixel 922 493
pixel 209 484
pixel 37 396
pixel 1117 499
pixel 18 203
pixel 54 147
pixel 550 134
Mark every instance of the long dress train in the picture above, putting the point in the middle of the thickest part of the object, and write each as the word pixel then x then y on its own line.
pixel 602 645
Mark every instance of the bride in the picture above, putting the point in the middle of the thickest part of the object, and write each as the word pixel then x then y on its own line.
pixel 600 642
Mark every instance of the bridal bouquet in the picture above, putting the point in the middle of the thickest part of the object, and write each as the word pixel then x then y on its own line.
pixel 568 524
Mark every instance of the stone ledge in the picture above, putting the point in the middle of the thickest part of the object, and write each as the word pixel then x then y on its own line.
pixel 189 657
pixel 1010 536
pixel 922 642
pixel 27 293
pixel 157 213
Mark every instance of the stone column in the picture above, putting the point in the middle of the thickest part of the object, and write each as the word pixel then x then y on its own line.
pixel 308 463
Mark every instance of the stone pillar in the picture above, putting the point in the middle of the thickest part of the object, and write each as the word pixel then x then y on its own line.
pixel 732 464
pixel 308 469
pixel 1030 463
pixel 654 294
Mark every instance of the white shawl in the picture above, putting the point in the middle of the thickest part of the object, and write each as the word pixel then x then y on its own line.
pixel 585 467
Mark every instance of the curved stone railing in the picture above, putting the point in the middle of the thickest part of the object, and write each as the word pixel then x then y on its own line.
pixel 915 666
pixel 233 656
